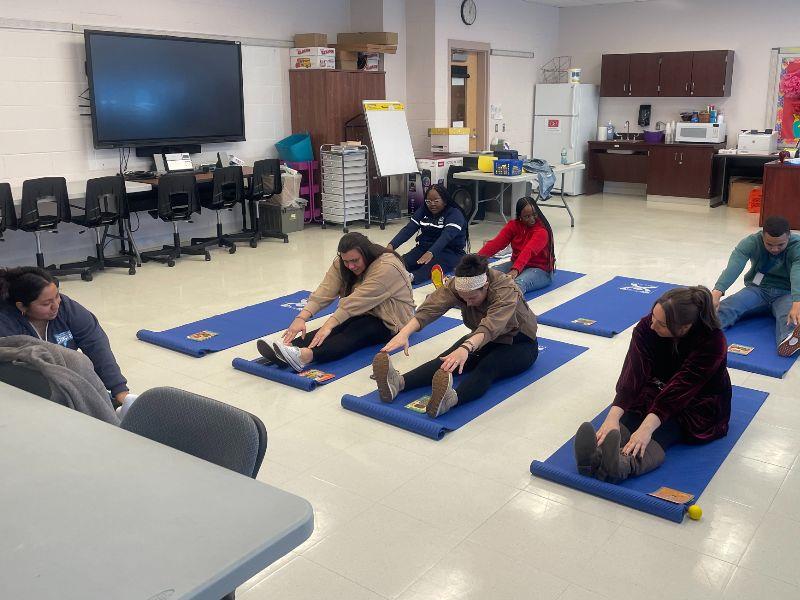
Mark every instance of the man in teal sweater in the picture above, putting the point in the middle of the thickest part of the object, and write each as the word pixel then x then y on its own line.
pixel 771 285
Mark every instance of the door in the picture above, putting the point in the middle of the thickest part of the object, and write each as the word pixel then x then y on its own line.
pixel 554 99
pixel 614 75
pixel 662 172
pixel 711 73
pixel 469 94
pixel 676 73
pixel 644 75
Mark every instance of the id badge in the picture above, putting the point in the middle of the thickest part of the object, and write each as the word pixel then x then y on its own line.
pixel 758 278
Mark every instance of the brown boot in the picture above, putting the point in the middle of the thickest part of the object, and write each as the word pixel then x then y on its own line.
pixel 587 454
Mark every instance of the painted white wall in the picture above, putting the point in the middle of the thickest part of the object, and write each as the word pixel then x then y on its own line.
pixel 41 76
pixel 748 28
pixel 505 25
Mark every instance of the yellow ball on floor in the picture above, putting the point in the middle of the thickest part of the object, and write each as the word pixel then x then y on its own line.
pixel 695 512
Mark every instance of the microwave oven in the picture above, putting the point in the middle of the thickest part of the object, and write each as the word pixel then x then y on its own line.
pixel 708 133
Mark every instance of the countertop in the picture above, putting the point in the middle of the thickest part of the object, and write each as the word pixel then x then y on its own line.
pixel 633 144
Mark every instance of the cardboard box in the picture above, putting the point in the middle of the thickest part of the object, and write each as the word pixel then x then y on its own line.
pixel 364 38
pixel 302 40
pixel 312 61
pixel 346 60
pixel 450 139
pixel 739 191
pixel 373 61
pixel 313 51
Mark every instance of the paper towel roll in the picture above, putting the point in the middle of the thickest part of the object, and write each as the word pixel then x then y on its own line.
pixel 602 134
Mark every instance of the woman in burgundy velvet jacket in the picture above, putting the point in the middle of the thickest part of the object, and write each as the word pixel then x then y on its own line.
pixel 674 387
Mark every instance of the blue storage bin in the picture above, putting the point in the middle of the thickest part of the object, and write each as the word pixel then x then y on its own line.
pixel 295 148
pixel 507 166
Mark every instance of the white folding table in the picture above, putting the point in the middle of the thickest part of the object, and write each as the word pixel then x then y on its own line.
pixel 88 510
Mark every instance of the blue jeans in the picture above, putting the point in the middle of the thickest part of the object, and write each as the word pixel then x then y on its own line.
pixel 754 301
pixel 530 279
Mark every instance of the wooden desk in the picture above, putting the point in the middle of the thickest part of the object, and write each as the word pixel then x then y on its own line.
pixel 781 193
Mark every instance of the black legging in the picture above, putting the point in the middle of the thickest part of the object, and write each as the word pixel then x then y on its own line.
pixel 354 334
pixel 492 361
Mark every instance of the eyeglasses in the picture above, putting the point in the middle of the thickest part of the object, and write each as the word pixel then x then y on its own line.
pixel 430 201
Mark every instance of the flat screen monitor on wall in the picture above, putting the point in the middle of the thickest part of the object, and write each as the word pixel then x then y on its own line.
pixel 151 90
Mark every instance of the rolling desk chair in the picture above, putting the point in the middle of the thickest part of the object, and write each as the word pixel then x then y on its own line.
pixel 228 191
pixel 177 201
pixel 47 190
pixel 104 207
pixel 461 195
pixel 8 214
pixel 266 183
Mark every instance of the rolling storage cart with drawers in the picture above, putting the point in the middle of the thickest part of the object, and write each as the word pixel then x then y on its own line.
pixel 345 184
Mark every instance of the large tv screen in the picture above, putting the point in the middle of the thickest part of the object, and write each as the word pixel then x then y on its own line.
pixel 155 90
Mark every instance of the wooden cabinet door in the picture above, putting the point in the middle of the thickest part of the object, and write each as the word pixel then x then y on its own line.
pixel 644 75
pixel 694 180
pixel 711 73
pixel 676 73
pixel 663 171
pixel 614 74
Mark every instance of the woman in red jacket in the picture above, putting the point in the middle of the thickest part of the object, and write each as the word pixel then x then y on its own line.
pixel 532 252
pixel 674 387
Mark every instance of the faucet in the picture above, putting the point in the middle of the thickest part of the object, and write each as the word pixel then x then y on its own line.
pixel 627 130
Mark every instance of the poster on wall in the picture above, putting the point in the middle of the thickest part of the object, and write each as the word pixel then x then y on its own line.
pixel 787 121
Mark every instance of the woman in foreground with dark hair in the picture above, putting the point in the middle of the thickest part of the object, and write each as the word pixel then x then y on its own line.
pixel 674 387
pixel 375 301
pixel 502 341
pixel 533 256
pixel 30 304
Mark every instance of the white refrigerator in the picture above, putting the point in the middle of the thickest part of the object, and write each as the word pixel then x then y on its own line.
pixel 565 117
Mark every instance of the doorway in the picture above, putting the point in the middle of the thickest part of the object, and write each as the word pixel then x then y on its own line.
pixel 469 90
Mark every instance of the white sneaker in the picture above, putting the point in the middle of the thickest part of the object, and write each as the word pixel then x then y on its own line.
pixel 389 380
pixel 443 396
pixel 791 343
pixel 291 354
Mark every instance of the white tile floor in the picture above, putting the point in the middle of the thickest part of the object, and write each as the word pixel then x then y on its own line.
pixel 401 516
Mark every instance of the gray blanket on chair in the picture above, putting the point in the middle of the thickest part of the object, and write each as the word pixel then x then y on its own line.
pixel 73 382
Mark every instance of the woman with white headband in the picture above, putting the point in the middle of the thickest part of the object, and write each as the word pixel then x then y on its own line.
pixel 502 341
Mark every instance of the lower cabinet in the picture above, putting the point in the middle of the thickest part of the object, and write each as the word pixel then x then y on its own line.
pixel 680 171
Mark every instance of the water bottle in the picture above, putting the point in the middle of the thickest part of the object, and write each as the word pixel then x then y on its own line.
pixel 609 131
pixel 564 156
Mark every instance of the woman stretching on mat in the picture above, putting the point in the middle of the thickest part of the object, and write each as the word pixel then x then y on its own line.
pixel 674 387
pixel 30 304
pixel 502 343
pixel 532 251
pixel 375 300
pixel 443 235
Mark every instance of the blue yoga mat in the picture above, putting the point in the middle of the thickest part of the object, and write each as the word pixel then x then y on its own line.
pixel 759 334
pixel 687 468
pixel 340 368
pixel 613 306
pixel 560 278
pixel 232 328
pixel 552 355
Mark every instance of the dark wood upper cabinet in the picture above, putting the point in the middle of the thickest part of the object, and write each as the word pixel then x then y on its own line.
pixel 644 75
pixel 667 74
pixel 676 73
pixel 614 75
pixel 712 72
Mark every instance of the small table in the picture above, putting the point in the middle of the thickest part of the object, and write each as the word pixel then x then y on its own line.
pixel 505 182
pixel 93 511
pixel 563 170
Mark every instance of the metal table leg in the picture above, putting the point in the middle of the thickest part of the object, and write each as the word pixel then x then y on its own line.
pixel 564 202
pixel 476 199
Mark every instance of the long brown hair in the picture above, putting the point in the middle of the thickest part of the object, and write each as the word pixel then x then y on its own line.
pixel 688 306
pixel 369 250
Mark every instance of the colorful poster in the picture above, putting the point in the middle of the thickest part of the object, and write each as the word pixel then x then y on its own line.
pixel 788 116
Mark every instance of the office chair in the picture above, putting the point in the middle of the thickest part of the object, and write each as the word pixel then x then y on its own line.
pixel 177 201
pixel 105 205
pixel 228 191
pixel 461 195
pixel 8 214
pixel 266 183
pixel 47 190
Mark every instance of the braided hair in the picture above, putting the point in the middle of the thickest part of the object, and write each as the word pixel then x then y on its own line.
pixel 529 201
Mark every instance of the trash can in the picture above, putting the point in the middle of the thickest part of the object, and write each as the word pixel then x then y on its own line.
pixel 281 219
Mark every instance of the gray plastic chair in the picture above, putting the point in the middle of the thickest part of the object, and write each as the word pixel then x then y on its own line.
pixel 219 433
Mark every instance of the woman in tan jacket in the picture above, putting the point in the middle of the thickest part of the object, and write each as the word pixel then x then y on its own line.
pixel 375 301
pixel 502 341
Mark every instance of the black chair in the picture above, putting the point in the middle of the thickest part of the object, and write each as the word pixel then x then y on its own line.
pixel 177 201
pixel 8 214
pixel 228 192
pixel 25 379
pixel 104 206
pixel 35 193
pixel 266 182
pixel 461 195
